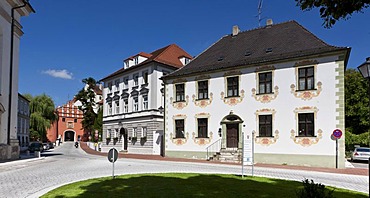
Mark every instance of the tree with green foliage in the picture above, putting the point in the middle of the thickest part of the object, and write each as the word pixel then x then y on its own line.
pixel 42 111
pixel 356 102
pixel 333 10
pixel 98 124
pixel 87 98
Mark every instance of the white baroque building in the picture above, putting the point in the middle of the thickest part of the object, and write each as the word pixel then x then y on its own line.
pixel 11 12
pixel 132 117
pixel 279 85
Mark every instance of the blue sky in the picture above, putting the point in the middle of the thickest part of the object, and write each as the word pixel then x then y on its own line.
pixel 66 41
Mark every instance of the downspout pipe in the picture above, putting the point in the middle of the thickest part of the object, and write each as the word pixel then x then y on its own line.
pixel 25 3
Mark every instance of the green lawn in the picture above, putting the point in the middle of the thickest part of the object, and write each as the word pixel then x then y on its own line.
pixel 185 185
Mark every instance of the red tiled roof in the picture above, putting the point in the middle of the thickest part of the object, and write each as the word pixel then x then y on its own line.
pixel 143 54
pixel 168 55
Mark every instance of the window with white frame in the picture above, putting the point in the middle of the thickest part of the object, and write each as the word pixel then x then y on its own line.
pixel 306 78
pixel 109 87
pixel 115 133
pixel 145 102
pixel 110 109
pixel 125 82
pixel 136 60
pixel 116 83
pixel 265 83
pixel 144 132
pixel 180 128
pixel 203 89
pixel 145 77
pixel 134 132
pixel 117 107
pixel 180 92
pixel 306 124
pixel 125 107
pixel 233 86
pixel 202 127
pixel 109 133
pixel 265 125
pixel 136 79
pixel 135 104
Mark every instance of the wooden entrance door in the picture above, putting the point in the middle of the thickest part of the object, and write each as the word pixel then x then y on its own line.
pixel 232 136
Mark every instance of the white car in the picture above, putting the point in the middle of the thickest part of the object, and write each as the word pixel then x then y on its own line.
pixel 361 153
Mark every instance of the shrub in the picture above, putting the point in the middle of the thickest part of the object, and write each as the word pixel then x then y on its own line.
pixel 313 190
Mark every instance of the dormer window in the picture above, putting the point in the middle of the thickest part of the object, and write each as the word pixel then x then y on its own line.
pixel 136 60
pixel 187 60
pixel 127 64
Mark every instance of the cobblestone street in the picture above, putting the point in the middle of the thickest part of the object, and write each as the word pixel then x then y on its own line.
pixel 66 164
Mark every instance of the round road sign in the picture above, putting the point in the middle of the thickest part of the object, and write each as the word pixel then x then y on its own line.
pixel 337 133
pixel 112 155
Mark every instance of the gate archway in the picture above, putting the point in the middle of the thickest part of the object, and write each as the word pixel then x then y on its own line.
pixel 69 136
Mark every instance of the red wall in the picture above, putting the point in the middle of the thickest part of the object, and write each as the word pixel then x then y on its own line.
pixel 69 120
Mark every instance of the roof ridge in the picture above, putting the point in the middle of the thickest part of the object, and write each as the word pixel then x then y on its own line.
pixel 263 27
pixel 165 49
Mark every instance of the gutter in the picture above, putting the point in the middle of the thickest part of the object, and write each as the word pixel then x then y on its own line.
pixel 25 3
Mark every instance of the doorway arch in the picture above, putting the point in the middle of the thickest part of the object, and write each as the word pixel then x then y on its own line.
pixel 232 126
pixel 69 136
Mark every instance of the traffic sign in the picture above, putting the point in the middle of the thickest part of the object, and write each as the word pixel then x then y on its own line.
pixel 112 155
pixel 337 133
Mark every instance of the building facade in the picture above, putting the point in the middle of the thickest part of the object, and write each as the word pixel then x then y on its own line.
pixel 278 85
pixel 23 126
pixel 11 12
pixel 132 121
pixel 68 127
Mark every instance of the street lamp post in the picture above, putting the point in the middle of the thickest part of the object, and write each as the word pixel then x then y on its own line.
pixel 364 69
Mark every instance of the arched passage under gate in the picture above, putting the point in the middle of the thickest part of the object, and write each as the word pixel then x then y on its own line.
pixel 69 136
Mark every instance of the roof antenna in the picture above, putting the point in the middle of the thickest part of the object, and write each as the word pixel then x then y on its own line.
pixel 259 12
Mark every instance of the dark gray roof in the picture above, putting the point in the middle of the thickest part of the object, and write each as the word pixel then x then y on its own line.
pixel 262 45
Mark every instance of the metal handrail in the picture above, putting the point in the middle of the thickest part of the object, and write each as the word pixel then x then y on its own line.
pixel 214 147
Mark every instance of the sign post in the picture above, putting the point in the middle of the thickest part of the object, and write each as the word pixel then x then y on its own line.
pixel 337 134
pixel 247 151
pixel 112 157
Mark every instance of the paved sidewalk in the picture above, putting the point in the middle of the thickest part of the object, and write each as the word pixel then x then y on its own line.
pixel 351 171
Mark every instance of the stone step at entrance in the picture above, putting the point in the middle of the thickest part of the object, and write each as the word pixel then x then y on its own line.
pixel 227 156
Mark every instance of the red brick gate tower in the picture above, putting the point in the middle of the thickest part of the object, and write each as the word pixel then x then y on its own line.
pixel 68 127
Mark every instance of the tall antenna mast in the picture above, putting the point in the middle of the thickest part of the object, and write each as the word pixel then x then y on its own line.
pixel 259 12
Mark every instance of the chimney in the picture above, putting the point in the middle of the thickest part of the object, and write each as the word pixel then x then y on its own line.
pixel 235 30
pixel 269 22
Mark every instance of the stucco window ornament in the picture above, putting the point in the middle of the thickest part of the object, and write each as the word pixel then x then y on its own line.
pixel 233 100
pixel 267 141
pixel 179 141
pixel 180 104
pixel 306 94
pixel 305 141
pixel 265 98
pixel 203 102
pixel 202 141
